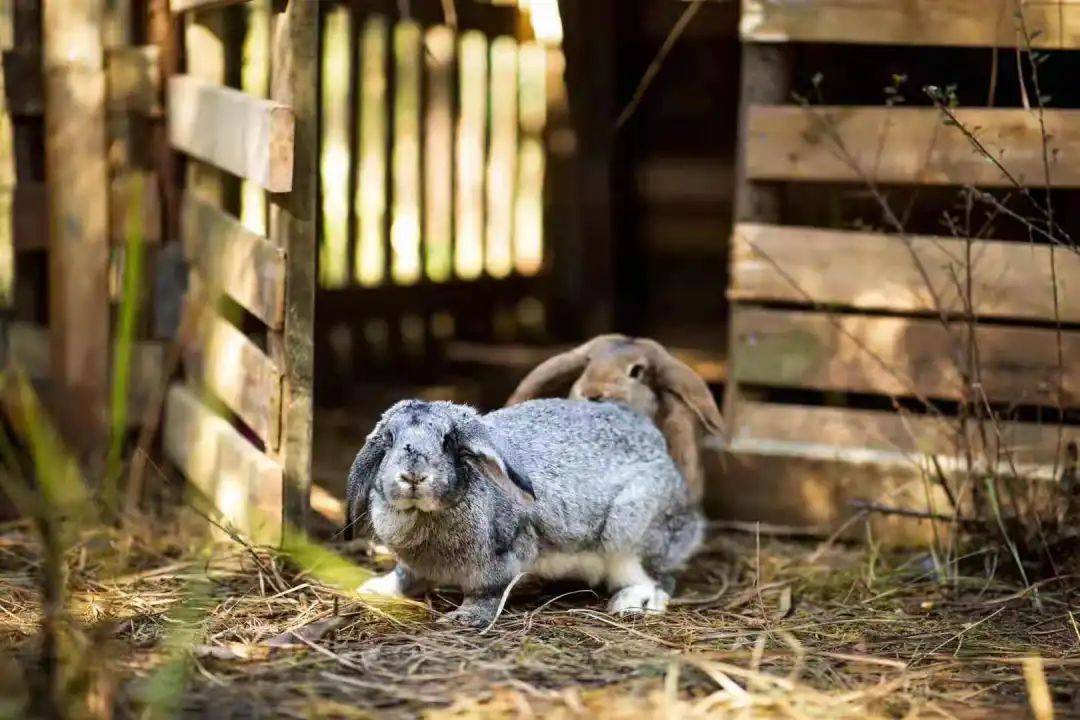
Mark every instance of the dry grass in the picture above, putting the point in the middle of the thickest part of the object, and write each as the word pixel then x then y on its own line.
pixel 790 632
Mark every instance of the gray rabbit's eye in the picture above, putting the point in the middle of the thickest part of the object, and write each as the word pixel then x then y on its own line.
pixel 635 371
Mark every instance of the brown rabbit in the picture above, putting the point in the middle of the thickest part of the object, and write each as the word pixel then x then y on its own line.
pixel 640 373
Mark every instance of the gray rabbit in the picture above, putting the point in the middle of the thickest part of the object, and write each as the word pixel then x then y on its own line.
pixel 556 488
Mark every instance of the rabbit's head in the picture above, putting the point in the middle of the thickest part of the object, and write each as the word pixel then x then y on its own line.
pixel 424 457
pixel 637 372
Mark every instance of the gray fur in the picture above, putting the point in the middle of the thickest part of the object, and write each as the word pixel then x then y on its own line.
pixel 601 475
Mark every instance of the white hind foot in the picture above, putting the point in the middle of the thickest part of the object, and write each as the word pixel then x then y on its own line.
pixel 639 600
pixel 388 585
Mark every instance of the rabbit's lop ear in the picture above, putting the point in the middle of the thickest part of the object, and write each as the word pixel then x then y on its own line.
pixel 362 478
pixel 676 377
pixel 487 463
pixel 554 376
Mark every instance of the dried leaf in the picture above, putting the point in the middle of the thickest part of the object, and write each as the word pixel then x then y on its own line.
pixel 310 632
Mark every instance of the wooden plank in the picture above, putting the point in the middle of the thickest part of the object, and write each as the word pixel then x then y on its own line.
pixel 817 495
pixel 228 256
pixel 851 435
pixel 179 6
pixel 235 370
pixel 876 271
pixel 134 79
pixel 898 356
pixel 242 483
pixel 246 136
pixel 294 83
pixel 967 23
pixel 909 145
pixel 808 467
pixel 77 189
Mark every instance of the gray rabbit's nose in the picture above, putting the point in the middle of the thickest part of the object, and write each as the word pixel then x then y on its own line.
pixel 594 397
pixel 411 478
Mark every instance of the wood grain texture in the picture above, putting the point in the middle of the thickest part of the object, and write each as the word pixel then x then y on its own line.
pixel 807 467
pixel 77 190
pixel 235 370
pixel 294 82
pixel 968 23
pixel 228 256
pixel 241 482
pixel 898 356
pixel 864 435
pixel 816 496
pixel 134 78
pixel 906 145
pixel 878 271
pixel 246 136
pixel 179 6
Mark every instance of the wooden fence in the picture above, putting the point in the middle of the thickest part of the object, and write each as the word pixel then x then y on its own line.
pixel 823 317
pixel 239 427
pixel 77 98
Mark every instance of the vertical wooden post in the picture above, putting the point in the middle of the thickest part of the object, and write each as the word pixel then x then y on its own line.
pixel 765 78
pixel 295 82
pixel 77 186
pixel 585 293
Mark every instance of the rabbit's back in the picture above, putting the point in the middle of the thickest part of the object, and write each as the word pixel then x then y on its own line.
pixel 580 452
pixel 602 476
pixel 587 437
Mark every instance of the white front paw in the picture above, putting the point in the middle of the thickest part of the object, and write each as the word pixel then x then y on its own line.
pixel 388 585
pixel 638 599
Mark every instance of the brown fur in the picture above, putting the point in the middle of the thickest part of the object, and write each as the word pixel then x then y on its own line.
pixel 640 373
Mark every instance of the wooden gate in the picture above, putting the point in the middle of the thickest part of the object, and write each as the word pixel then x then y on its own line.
pixel 824 316
pixel 239 425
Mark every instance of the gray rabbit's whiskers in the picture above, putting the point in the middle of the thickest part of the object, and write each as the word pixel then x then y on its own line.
pixel 555 488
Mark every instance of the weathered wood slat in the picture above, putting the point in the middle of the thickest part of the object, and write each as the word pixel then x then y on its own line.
pixel 817 495
pixel 244 484
pixel 235 370
pixel 807 467
pixel 179 6
pixel 246 136
pixel 134 79
pixel 969 23
pixel 898 356
pixel 856 435
pixel 909 145
pixel 876 271
pixel 228 256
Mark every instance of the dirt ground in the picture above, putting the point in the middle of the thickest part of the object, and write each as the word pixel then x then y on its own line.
pixel 762 627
